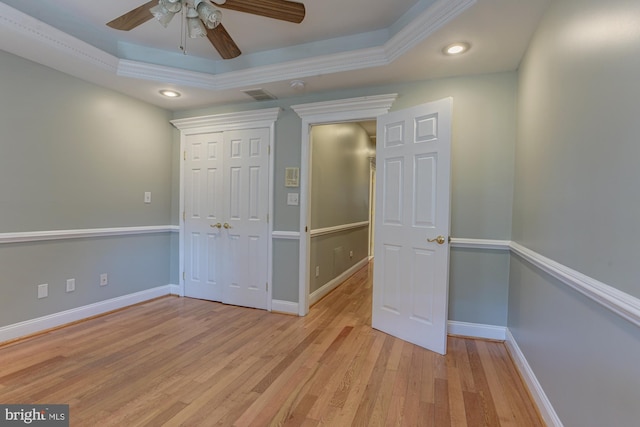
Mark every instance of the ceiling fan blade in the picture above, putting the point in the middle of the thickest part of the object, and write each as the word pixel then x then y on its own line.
pixel 283 10
pixel 222 41
pixel 133 18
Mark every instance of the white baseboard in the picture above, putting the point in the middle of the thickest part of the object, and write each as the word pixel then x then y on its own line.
pixel 284 307
pixel 176 290
pixel 547 412
pixel 318 294
pixel 40 324
pixel 476 330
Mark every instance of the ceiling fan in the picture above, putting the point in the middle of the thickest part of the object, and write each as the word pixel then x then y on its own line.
pixel 203 19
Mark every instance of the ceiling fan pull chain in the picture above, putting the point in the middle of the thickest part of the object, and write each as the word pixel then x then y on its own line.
pixel 183 33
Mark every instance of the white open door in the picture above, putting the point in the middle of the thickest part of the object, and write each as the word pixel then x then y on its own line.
pixel 411 270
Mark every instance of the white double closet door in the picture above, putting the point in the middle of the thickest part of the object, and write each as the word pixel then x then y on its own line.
pixel 226 183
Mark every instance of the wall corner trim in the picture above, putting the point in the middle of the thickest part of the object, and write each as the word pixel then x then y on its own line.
pixel 41 324
pixel 547 412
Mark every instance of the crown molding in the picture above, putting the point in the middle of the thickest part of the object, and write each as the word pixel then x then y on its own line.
pixel 429 21
pixel 15 25
pixel 28 37
pixel 242 119
pixel 376 105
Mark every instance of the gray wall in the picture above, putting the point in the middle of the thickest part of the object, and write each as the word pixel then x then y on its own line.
pixel 484 132
pixel 576 186
pixel 340 175
pixel 77 156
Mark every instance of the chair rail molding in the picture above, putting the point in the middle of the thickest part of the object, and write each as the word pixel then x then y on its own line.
pixel 38 236
pixel 338 228
pixel 621 303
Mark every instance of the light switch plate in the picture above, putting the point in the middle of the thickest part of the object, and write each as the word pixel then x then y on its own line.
pixel 43 290
pixel 292 199
pixel 147 196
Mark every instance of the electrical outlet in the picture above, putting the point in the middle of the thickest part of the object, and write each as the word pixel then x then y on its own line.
pixel 71 285
pixel 350 254
pixel 317 270
pixel 104 279
pixel 43 290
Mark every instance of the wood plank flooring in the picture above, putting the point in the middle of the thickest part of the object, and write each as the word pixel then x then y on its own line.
pixel 186 362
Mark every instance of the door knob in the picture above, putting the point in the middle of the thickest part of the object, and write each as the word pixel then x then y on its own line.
pixel 226 225
pixel 440 240
pixel 218 225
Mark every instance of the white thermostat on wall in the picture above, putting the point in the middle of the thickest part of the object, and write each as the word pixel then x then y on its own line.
pixel 292 177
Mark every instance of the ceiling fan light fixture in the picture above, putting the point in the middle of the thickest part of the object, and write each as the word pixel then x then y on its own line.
pixel 172 6
pixel 196 28
pixel 209 14
pixel 162 14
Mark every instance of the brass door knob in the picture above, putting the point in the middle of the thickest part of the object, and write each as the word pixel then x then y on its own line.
pixel 218 225
pixel 440 240
pixel 226 225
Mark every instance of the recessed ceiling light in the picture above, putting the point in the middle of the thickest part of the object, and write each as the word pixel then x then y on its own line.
pixel 169 93
pixel 456 48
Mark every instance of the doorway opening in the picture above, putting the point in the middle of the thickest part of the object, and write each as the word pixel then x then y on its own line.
pixel 342 160
pixel 340 111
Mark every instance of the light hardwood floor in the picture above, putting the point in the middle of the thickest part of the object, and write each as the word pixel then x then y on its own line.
pixel 186 362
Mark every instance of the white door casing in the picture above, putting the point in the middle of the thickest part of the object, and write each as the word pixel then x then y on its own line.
pixel 251 132
pixel 342 110
pixel 410 288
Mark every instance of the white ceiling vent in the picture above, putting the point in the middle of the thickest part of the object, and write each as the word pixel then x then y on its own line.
pixel 259 94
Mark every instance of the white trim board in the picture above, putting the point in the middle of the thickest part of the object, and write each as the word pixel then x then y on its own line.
pixel 502 245
pixel 338 228
pixel 44 323
pixel 38 236
pixel 621 303
pixel 287 307
pixel 547 412
pixel 286 235
pixel 318 294
pixel 476 330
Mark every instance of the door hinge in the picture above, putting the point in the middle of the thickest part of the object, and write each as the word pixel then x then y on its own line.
pixel 267 286
pixel 184 216
pixel 184 275
pixel 267 218
pixel 184 155
pixel 268 149
pixel 306 229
